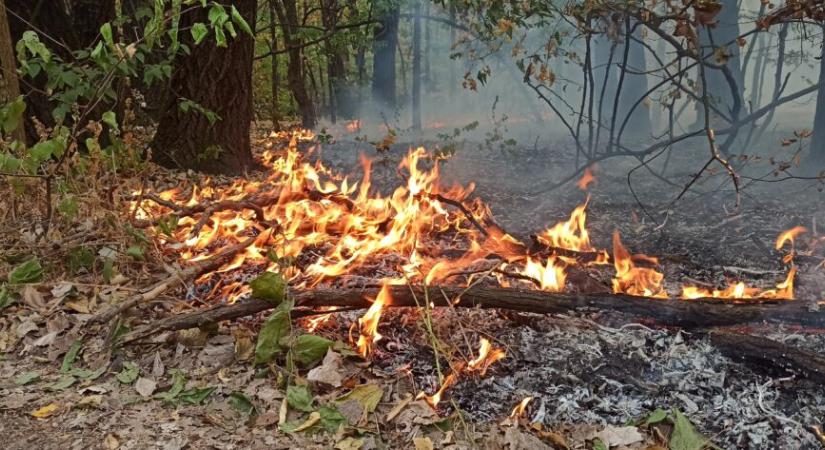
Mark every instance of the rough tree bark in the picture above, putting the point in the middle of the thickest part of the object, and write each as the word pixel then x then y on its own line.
pixel 385 42
pixel 11 87
pixel 220 80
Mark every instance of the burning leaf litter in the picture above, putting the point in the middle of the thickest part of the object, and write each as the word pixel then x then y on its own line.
pixel 316 226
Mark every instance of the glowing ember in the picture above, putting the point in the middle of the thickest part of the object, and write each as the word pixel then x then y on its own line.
pixel 586 179
pixel 634 280
pixel 353 126
pixel 435 399
pixel 368 325
pixel 487 355
pixel 520 409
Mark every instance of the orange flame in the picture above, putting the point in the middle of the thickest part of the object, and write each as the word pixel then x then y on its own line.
pixel 368 325
pixel 586 179
pixel 634 280
pixel 738 290
pixel 520 409
pixel 571 234
pixel 549 276
pixel 435 399
pixel 789 236
pixel 487 355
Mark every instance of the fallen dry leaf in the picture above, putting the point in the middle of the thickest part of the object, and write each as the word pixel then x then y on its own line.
pixel 329 373
pixel 618 436
pixel 111 442
pixel 145 387
pixel 46 411
pixel 423 443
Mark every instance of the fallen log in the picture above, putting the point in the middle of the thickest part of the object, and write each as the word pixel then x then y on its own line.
pixel 687 314
pixel 769 356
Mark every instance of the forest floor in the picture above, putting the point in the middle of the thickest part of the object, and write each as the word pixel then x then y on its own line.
pixel 595 378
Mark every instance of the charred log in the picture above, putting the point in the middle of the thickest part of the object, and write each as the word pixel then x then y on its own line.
pixel 687 314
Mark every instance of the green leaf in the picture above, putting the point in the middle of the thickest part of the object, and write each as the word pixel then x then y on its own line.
pixel 109 118
pixel 240 21
pixel 70 356
pixel 9 163
pixel 599 445
pixel 195 396
pixel 310 349
pixel 299 398
pixel 11 114
pixel 178 383
pixel 26 378
pixel 199 32
pixel 220 37
pixel 241 402
pixel 685 436
pixel 269 286
pixel 655 417
pixel 136 252
pixel 106 32
pixel 64 382
pixel 368 395
pixel 274 329
pixel 129 373
pixel 5 297
pixel 331 418
pixel 46 150
pixel 27 272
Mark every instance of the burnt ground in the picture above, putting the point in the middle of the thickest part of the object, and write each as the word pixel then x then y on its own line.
pixel 596 368
pixel 588 372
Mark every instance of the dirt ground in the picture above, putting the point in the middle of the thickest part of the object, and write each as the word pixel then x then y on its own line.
pixel 591 375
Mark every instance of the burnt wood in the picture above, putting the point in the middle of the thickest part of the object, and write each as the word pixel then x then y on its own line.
pixel 687 314
pixel 769 356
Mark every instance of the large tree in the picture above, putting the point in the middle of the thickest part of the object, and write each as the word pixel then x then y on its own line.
pixel 218 79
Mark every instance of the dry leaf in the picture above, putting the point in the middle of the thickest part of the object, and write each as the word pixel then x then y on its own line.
pixel 145 387
pixel 111 442
pixel 423 443
pixel 329 372
pixel 46 411
pixel 313 418
pixel 617 436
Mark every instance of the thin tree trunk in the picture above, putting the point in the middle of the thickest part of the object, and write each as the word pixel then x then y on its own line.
pixel 817 153
pixel 273 43
pixel 385 42
pixel 11 87
pixel 416 69
pixel 287 13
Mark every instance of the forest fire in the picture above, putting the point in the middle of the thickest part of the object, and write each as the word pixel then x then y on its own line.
pixel 315 226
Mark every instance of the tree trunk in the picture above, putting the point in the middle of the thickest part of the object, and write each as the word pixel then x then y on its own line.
pixel 74 24
pixel 385 42
pixel 638 125
pixel 715 41
pixel 273 44
pixel 220 80
pixel 288 15
pixel 11 87
pixel 817 153
pixel 416 68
